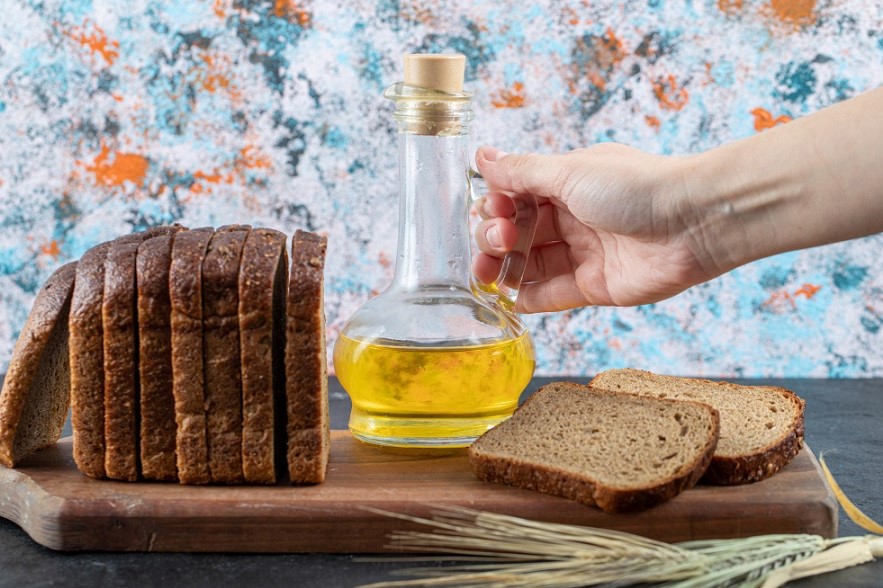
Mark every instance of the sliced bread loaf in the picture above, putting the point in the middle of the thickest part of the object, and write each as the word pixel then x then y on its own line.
pixel 617 451
pixel 221 353
pixel 36 389
pixel 306 380
pixel 185 297
pixel 157 402
pixel 761 427
pixel 263 275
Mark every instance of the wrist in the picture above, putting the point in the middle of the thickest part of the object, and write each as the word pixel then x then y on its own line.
pixel 731 211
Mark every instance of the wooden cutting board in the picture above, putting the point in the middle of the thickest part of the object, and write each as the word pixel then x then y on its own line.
pixel 63 509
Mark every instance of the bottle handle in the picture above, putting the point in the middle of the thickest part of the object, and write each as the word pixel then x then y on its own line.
pixel 505 287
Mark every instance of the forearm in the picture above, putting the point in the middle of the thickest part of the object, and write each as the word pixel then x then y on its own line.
pixel 816 180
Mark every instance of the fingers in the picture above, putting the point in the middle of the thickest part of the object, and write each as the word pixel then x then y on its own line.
pixel 559 293
pixel 486 267
pixel 548 261
pixel 505 233
pixel 544 263
pixel 529 173
pixel 494 204
pixel 496 236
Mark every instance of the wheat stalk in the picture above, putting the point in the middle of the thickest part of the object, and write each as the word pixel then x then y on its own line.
pixel 507 551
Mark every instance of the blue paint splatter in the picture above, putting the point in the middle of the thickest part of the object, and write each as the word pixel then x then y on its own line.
pixel 838 90
pixel 796 82
pixel 849 277
pixel 775 277
pixel 871 325
pixel 334 137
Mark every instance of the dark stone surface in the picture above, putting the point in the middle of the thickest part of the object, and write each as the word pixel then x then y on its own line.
pixel 844 419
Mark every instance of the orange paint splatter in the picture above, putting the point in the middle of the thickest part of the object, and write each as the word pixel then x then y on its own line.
pixel 291 11
pixel 653 122
pixel 384 260
pixel 220 8
pixel 669 94
pixel 51 249
pixel 794 12
pixel 571 16
pixel 781 298
pixel 729 6
pixel 96 41
pixel 610 50
pixel 215 77
pixel 597 80
pixel 248 158
pixel 513 98
pixel 114 169
pixel 764 120
pixel 604 54
pixel 807 290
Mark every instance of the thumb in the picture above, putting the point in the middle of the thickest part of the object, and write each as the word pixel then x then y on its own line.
pixel 527 173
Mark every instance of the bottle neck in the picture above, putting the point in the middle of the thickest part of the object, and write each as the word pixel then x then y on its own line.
pixel 433 249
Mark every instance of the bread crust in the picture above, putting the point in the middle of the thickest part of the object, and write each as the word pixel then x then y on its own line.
pixel 263 275
pixel 221 353
pixel 731 471
pixel 185 297
pixel 308 429
pixel 551 480
pixel 47 323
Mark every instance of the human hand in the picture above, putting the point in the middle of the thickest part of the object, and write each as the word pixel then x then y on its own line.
pixel 613 227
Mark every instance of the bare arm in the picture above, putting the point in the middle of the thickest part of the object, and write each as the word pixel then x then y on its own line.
pixel 816 180
pixel 622 227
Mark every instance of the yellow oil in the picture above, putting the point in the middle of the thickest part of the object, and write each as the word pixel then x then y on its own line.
pixel 431 396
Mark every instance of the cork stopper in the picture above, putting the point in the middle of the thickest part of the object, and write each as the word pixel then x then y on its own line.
pixel 435 71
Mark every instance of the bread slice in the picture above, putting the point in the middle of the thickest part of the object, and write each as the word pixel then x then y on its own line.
pixel 306 381
pixel 86 347
pixel 761 426
pixel 36 390
pixel 185 297
pixel 157 402
pixel 120 325
pixel 617 451
pixel 221 353
pixel 263 275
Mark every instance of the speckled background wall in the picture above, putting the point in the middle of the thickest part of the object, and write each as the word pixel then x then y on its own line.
pixel 119 115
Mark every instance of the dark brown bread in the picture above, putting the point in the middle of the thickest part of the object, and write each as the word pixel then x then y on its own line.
pixel 306 384
pixel 617 451
pixel 157 402
pixel 221 353
pixel 762 427
pixel 185 296
pixel 263 276
pixel 86 343
pixel 86 347
pixel 120 325
pixel 36 389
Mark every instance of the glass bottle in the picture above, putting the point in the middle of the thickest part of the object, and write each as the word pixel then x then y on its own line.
pixel 437 358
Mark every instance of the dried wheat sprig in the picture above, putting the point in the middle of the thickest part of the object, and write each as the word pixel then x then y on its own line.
pixel 507 551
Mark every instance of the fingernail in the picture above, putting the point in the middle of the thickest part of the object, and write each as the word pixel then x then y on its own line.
pixel 492 153
pixel 493 237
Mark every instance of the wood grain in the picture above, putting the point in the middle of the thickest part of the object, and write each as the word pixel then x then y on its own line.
pixel 62 509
